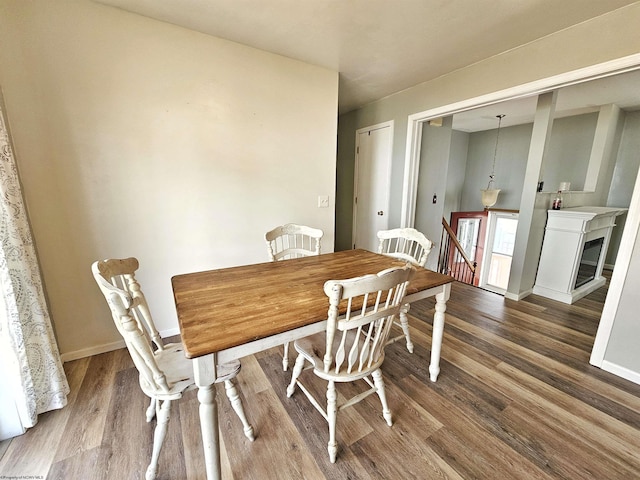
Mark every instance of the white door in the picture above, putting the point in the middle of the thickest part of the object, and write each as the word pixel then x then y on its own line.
pixel 372 184
pixel 498 252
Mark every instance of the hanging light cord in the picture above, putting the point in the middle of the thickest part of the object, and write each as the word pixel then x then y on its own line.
pixel 495 152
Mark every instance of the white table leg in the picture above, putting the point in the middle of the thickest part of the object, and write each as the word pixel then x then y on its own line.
pixel 205 374
pixel 438 330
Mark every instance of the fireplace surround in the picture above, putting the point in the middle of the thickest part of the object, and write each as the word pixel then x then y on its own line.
pixel 573 252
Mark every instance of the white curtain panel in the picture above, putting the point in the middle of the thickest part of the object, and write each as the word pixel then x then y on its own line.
pixel 24 322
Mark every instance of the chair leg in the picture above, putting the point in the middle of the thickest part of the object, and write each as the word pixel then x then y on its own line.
pixel 162 419
pixel 151 410
pixel 236 403
pixel 379 383
pixel 285 357
pixel 404 323
pixel 332 413
pixel 297 370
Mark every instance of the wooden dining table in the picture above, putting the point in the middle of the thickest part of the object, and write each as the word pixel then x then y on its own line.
pixel 229 313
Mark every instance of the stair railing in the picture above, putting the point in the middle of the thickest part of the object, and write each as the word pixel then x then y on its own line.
pixel 452 259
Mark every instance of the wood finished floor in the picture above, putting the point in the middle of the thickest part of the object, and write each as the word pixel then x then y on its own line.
pixel 516 399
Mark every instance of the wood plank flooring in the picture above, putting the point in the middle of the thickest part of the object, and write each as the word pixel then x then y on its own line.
pixel 516 399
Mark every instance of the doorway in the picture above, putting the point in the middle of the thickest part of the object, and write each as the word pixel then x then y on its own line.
pixel 372 184
pixel 625 255
pixel 523 270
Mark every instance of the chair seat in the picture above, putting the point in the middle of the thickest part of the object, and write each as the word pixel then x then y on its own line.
pixel 178 371
pixel 313 346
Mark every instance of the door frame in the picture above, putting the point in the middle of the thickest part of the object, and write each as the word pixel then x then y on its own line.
pixel 377 126
pixel 616 286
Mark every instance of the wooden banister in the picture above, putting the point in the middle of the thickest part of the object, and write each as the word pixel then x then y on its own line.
pixel 452 259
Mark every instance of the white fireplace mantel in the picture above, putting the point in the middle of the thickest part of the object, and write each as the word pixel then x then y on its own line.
pixel 566 233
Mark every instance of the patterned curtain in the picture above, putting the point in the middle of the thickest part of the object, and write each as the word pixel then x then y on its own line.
pixel 25 321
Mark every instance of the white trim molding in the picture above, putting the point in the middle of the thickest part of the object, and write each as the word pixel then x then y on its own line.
pixel 618 278
pixel 621 372
pixel 90 351
pixel 108 347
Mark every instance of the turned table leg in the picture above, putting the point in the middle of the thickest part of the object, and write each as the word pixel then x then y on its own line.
pixel 438 330
pixel 205 374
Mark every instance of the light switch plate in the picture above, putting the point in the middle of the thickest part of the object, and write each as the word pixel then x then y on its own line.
pixel 323 201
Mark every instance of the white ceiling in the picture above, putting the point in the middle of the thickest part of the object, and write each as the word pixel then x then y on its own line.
pixel 379 47
pixel 622 89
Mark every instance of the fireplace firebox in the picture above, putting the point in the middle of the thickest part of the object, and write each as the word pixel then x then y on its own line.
pixel 588 265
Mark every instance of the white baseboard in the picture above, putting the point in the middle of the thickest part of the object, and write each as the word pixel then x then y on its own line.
pixel 170 332
pixel 519 296
pixel 108 347
pixel 572 296
pixel 90 351
pixel 621 371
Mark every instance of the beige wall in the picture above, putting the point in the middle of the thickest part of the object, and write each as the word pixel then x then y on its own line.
pixel 138 138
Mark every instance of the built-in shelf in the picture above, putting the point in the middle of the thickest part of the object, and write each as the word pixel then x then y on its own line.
pixel 574 251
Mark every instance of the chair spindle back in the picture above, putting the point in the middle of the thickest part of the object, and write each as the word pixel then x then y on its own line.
pixel 117 282
pixel 372 303
pixel 293 241
pixel 406 244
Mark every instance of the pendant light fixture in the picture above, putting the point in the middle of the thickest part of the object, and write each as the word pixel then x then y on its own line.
pixel 490 194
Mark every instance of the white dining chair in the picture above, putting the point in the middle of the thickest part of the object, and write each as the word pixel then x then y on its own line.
pixel 292 241
pixel 352 347
pixel 412 246
pixel 165 372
